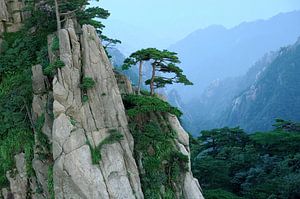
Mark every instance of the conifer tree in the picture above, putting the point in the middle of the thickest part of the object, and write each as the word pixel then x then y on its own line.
pixel 162 62
pixel 138 57
pixel 165 62
pixel 65 9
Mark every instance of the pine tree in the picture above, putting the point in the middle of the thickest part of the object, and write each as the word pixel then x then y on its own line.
pixel 65 9
pixel 162 62
pixel 138 57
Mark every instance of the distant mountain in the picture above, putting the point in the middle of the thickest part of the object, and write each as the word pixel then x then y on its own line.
pixel 274 94
pixel 269 90
pixel 217 53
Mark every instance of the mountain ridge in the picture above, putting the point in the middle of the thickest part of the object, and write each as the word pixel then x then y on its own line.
pixel 218 52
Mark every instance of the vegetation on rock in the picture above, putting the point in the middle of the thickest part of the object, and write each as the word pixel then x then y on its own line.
pixel 87 83
pixel 141 104
pixel 19 52
pixel 162 163
pixel 113 137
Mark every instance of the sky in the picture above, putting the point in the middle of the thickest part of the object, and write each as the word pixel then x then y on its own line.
pixel 160 23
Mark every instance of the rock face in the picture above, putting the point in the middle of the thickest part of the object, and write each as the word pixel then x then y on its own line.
pixel 190 185
pixel 11 16
pixel 78 123
pixel 41 113
pixel 18 182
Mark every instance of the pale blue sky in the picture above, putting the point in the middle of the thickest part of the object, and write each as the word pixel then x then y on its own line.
pixel 164 22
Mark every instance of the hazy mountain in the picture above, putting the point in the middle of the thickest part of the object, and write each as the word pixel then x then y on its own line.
pixel 269 90
pixel 274 94
pixel 217 53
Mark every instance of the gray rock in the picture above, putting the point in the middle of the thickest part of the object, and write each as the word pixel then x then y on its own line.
pixel 38 79
pixel 124 84
pixel 76 140
pixel 75 176
pixel 3 11
pixel 18 182
pixel 62 128
pixel 192 189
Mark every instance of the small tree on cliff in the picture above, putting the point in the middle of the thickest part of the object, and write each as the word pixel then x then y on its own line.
pixel 138 57
pixel 70 8
pixel 165 62
pixel 161 62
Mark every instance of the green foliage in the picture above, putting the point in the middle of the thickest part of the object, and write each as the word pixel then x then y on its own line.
pixel 138 104
pixel 55 44
pixel 108 42
pixel 16 134
pixel 162 62
pixel 84 13
pixel 51 68
pixel 286 125
pixel 95 153
pixel 261 165
pixel 43 145
pixel 50 182
pixel 113 137
pixel 28 149
pixel 85 98
pixel 136 57
pixel 18 140
pixel 155 145
pixel 20 51
pixel 161 161
pixel 219 194
pixel 87 83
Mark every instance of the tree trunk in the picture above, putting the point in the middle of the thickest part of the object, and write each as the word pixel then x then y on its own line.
pixel 140 77
pixel 152 80
pixel 57 15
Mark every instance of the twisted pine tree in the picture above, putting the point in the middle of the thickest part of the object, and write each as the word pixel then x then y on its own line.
pixel 162 62
pixel 70 8
pixel 138 57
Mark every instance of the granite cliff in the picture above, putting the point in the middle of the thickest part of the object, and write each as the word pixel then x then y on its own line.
pixel 83 144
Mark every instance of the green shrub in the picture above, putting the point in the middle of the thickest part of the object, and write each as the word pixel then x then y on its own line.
pixel 55 44
pixel 85 98
pixel 16 134
pixel 260 165
pixel 50 69
pixel 161 160
pixel 87 83
pixel 219 194
pixel 50 182
pixel 29 157
pixel 95 153
pixel 113 137
pixel 138 104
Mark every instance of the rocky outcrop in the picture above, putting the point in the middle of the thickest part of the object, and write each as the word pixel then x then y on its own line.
pixel 124 84
pixel 187 186
pixel 190 185
pixel 80 127
pixel 76 153
pixel 11 16
pixel 22 184
pixel 18 178
pixel 42 118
